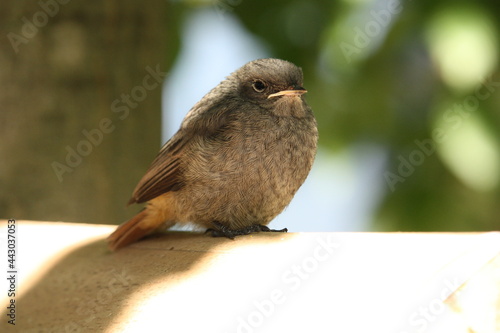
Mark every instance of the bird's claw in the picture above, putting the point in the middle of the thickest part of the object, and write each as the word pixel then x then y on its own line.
pixel 221 230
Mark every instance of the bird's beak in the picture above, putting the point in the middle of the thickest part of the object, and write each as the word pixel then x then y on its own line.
pixel 296 91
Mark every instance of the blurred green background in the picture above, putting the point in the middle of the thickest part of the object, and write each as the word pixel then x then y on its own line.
pixel 418 80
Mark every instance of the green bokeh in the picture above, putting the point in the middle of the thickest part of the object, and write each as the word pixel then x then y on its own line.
pixel 391 74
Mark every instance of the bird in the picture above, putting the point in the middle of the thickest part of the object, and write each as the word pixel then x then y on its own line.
pixel 238 158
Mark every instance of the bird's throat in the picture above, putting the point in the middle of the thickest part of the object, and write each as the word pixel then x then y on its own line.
pixel 290 106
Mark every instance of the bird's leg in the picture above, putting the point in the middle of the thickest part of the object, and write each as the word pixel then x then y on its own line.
pixel 221 230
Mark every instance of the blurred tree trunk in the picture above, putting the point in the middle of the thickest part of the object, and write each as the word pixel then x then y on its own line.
pixel 80 105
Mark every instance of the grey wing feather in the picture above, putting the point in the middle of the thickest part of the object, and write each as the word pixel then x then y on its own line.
pixel 165 173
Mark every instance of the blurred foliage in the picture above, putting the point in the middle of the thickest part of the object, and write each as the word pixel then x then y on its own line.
pixel 408 77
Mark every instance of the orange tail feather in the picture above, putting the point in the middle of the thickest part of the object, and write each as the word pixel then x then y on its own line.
pixel 132 230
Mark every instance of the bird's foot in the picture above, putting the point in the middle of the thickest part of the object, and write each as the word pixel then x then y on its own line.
pixel 221 230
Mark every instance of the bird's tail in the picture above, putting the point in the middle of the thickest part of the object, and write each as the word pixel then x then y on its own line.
pixel 134 229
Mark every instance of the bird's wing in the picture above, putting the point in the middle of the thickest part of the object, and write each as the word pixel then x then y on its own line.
pixel 163 175
pixel 166 172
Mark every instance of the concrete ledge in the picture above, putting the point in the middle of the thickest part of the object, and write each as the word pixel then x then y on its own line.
pixel 68 281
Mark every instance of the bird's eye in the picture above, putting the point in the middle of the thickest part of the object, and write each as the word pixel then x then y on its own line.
pixel 259 86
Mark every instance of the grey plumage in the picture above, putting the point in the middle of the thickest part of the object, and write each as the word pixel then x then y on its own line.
pixel 237 160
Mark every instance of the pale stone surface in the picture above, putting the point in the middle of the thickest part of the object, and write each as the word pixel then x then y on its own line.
pixel 69 281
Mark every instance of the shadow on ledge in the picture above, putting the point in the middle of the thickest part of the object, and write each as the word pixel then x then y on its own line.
pixel 94 290
pixel 89 287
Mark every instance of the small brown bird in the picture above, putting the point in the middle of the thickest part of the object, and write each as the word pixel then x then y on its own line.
pixel 237 160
